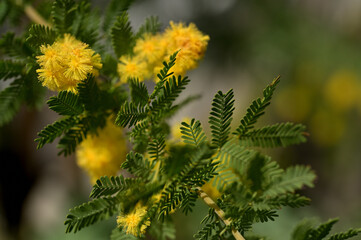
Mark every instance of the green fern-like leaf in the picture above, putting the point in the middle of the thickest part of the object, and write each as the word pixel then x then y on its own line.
pixel 10 99
pixel 277 135
pixel 129 114
pixel 294 178
pixel 137 165
pixel 170 91
pixel 138 92
pixel 89 94
pixel 151 26
pixel 10 69
pixel 221 117
pixel 189 201
pixel 106 186
pixel 86 24
pixel 321 231
pixel 291 200
pixel 52 131
pixel 114 9
pixel 231 156
pixel 40 35
pixel 122 35
pixel 206 232
pixel 163 75
pixel 90 213
pixel 193 133
pixel 345 235
pixel 156 148
pixel 63 13
pixel 301 230
pixel 75 135
pixel 66 103
pixel 265 215
pixel 257 109
pixel 15 47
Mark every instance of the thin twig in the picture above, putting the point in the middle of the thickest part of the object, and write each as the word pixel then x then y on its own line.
pixel 209 201
pixel 32 14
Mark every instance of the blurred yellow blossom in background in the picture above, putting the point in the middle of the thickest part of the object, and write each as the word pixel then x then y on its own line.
pixel 102 154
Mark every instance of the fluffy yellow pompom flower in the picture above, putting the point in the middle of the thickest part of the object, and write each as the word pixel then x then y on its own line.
pixel 102 154
pixel 132 68
pixel 65 63
pixel 191 43
pixel 149 48
pixel 131 221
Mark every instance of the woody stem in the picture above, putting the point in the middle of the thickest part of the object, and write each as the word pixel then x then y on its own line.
pixel 209 201
pixel 32 14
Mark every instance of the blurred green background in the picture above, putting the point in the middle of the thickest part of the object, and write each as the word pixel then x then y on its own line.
pixel 315 45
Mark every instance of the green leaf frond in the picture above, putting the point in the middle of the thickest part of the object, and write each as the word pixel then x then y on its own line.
pixel 10 69
pixel 138 92
pixel 257 109
pixel 192 133
pixel 63 14
pixel 90 213
pixel 114 9
pixel 40 35
pixel 321 231
pixel 207 231
pixel 90 94
pixel 231 156
pixel 221 117
pixel 10 99
pixel 15 47
pixel 150 26
pixel 195 173
pixel 54 130
pixel 137 165
pixel 86 24
pixel 295 177
pixel 66 103
pixel 261 171
pixel 169 92
pixel 122 35
pixel 107 186
pixel 277 135
pixel 129 114
pixel 305 230
pixel 189 201
pixel 345 235
pixel 290 200
pixel 156 149
pixel 119 234
pixel 163 75
pixel 77 133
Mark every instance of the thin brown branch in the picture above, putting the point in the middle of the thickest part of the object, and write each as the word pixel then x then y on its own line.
pixel 209 201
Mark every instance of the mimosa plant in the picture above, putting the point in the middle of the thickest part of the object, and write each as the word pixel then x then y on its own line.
pixel 98 66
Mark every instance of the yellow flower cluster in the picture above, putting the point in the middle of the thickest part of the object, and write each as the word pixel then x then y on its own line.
pixel 151 50
pixel 65 63
pixel 102 154
pixel 131 221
